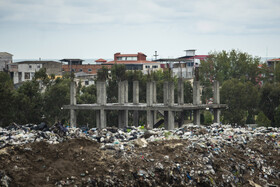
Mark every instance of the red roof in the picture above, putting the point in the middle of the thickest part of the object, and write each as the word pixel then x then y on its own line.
pixel 130 62
pixel 200 56
pixel 275 59
pixel 101 60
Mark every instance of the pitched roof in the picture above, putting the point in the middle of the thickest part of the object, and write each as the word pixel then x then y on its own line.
pixel 275 59
pixel 101 60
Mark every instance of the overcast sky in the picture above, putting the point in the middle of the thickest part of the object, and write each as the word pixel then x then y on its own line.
pixel 30 29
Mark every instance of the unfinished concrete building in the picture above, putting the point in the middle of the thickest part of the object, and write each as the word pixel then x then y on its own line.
pixel 168 107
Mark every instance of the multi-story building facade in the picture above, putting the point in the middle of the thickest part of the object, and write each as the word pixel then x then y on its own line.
pixel 25 70
pixel 183 66
pixel 135 62
pixel 5 59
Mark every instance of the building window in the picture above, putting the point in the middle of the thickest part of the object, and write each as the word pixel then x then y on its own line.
pixel 27 76
pixel 147 66
pixel 30 66
pixel 155 66
pixel 81 69
pixel 89 70
pixel 125 58
pixel 86 83
pixel 38 66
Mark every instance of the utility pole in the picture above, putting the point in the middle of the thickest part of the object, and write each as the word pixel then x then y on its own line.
pixel 274 72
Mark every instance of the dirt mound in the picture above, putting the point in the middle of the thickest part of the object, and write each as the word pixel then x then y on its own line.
pixel 83 162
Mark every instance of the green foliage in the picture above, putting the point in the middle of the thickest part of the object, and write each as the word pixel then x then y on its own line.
pixel 202 118
pixel 262 120
pixel 224 65
pixel 42 75
pixel 270 100
pixel 277 117
pixel 188 90
pixel 28 103
pixel 240 98
pixel 6 98
pixel 103 74
pixel 207 118
pixel 87 96
pixel 118 72
pixel 54 98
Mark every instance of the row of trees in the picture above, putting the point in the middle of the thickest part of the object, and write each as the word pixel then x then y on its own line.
pixel 250 89
pixel 42 98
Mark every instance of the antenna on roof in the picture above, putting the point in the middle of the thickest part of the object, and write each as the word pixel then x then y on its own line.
pixel 155 55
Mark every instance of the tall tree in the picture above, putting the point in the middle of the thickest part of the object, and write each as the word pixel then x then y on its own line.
pixel 270 100
pixel 29 103
pixel 6 99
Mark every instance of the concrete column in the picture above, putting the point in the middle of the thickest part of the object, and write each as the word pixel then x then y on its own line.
pixel 196 93
pixel 181 101
pixel 73 101
pixel 149 101
pixel 135 92
pixel 165 101
pixel 196 101
pixel 125 101
pixel 102 100
pixel 149 93
pixel 165 93
pixel 122 99
pixel 217 112
pixel 170 103
pixel 196 117
pixel 135 101
pixel 170 93
pixel 125 85
pixel 180 91
pixel 121 94
pixel 216 92
pixel 170 120
pixel 154 113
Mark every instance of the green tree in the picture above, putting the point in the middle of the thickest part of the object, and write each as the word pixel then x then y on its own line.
pixel 232 94
pixel 87 96
pixel 262 120
pixel 224 65
pixel 270 100
pixel 42 75
pixel 55 97
pixel 277 116
pixel 28 103
pixel 6 99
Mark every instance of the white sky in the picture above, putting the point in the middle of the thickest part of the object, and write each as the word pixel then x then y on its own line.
pixel 99 28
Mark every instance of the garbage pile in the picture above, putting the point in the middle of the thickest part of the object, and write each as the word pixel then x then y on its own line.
pixel 216 155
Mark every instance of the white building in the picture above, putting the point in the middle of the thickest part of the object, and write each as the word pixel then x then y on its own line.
pixel 24 71
pixel 5 59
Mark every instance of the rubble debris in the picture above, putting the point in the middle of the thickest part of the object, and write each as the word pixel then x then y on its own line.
pixel 216 155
